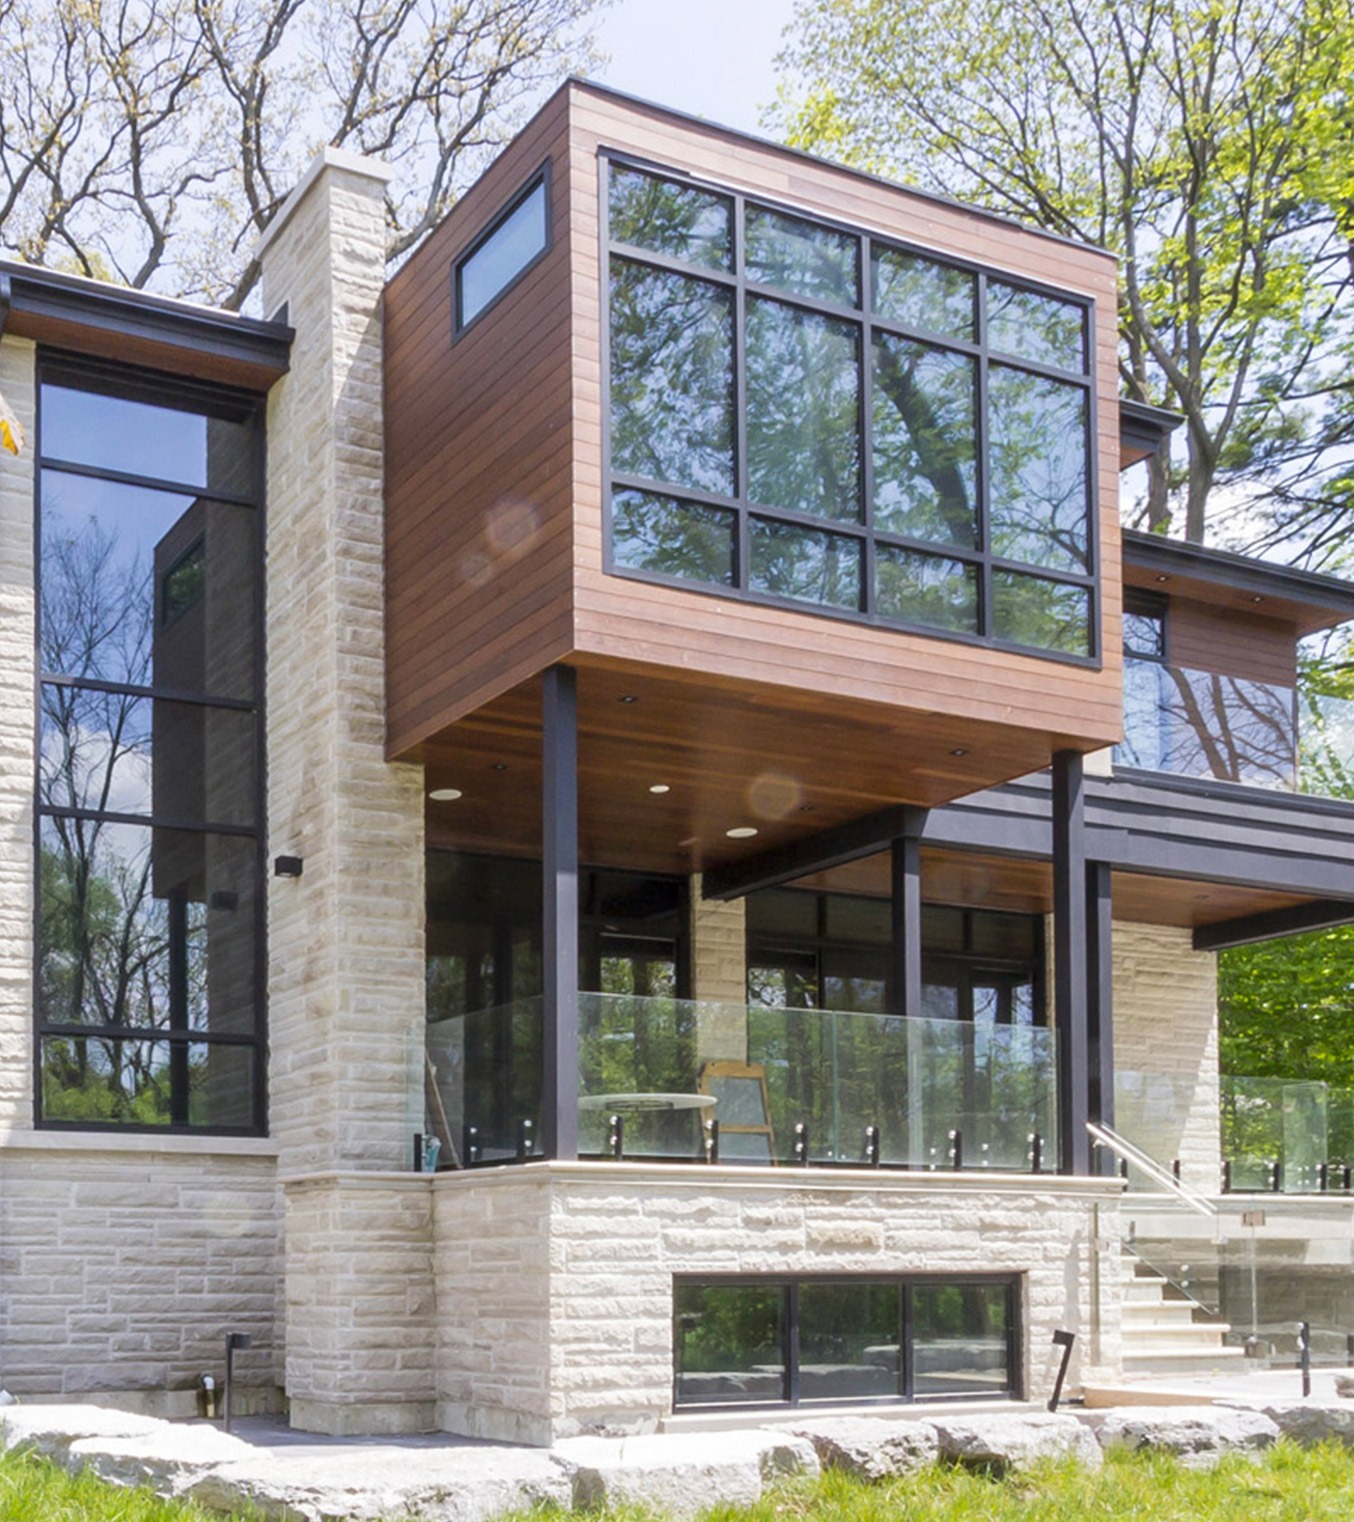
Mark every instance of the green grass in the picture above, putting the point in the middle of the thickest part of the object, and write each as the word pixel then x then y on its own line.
pixel 1290 1484
pixel 32 1490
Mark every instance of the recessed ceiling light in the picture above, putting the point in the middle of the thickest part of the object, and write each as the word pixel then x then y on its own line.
pixel 659 787
pixel 628 698
pixel 959 750
pixel 806 808
pixel 742 832
pixel 1257 598
pixel 445 794
pixel 1163 578
pixel 500 766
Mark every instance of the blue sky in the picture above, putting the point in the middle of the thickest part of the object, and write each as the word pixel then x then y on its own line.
pixel 712 58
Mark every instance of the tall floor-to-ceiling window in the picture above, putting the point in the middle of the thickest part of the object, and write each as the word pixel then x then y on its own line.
pixel 808 415
pixel 149 786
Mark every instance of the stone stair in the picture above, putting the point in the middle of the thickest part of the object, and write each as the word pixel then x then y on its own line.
pixel 1165 1333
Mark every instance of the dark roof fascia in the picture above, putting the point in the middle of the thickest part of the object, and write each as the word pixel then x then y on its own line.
pixel 1145 427
pixel 737 134
pixel 1239 573
pixel 47 295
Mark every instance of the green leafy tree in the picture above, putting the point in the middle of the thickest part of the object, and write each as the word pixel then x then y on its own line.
pixel 1207 144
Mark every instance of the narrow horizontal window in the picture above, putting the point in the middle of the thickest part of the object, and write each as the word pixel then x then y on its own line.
pixel 814 1340
pixel 502 254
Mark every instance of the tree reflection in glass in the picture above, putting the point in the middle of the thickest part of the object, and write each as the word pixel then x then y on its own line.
pixel 1035 327
pixel 788 561
pixel 926 589
pixel 803 411
pixel 922 293
pixel 925 410
pixel 805 258
pixel 1038 470
pixel 1049 615
pixel 687 539
pixel 671 218
pixel 671 378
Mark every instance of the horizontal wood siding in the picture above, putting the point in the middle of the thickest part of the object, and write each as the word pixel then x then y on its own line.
pixel 619 618
pixel 1232 643
pixel 478 463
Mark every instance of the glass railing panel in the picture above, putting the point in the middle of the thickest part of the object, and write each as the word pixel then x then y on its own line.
pixel 1296 1133
pixel 484 1080
pixel 1202 724
pixel 1326 753
pixel 818 1080
pixel 1165 1238
pixel 786 1085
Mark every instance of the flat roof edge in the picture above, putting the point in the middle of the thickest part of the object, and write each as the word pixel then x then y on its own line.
pixel 1243 572
pixel 742 135
pixel 43 295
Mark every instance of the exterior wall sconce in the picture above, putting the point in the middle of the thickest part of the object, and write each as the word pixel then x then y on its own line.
pixel 287 866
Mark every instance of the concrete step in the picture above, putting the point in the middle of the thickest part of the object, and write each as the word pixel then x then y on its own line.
pixel 1164 1336
pixel 1196 1360
pixel 1138 1311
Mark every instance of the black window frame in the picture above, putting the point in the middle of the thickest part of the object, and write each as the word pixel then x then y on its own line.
pixel 1148 604
pixel 540 179
pixel 183 394
pixel 906 1283
pixel 868 324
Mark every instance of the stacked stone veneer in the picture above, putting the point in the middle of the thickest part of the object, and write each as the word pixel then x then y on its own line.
pixel 346 951
pixel 1166 1048
pixel 121 1271
pixel 555 1281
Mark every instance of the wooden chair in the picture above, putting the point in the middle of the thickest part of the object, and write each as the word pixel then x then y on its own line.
pixel 743 1110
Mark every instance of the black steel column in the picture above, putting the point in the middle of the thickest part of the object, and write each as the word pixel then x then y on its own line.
pixel 1100 986
pixel 559 939
pixel 1070 969
pixel 905 970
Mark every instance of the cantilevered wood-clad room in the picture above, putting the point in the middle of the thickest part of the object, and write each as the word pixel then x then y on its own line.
pixel 732 498
pixel 830 523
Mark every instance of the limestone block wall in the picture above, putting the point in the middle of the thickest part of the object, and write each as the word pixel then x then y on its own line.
pixel 1166 1048
pixel 124 1261
pixel 718 937
pixel 346 938
pixel 17 675
pixel 360 1303
pixel 554 1281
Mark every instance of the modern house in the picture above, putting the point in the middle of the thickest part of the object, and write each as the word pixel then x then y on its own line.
pixel 585 829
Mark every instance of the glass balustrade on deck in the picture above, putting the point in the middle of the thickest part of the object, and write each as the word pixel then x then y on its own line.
pixel 782 1086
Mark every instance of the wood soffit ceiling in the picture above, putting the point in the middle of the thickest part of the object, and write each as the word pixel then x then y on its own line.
pixel 730 758
pixel 729 762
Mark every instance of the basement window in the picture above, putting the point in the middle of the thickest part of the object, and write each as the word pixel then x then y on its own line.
pixel 799 1341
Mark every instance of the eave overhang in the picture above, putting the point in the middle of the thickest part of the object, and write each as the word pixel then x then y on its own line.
pixel 113 322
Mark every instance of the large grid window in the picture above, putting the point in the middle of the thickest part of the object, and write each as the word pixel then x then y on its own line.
pixel 810 416
pixel 149 806
pixel 796 1341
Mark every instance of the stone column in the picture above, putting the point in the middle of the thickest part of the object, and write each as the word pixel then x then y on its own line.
pixel 18 383
pixel 346 959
